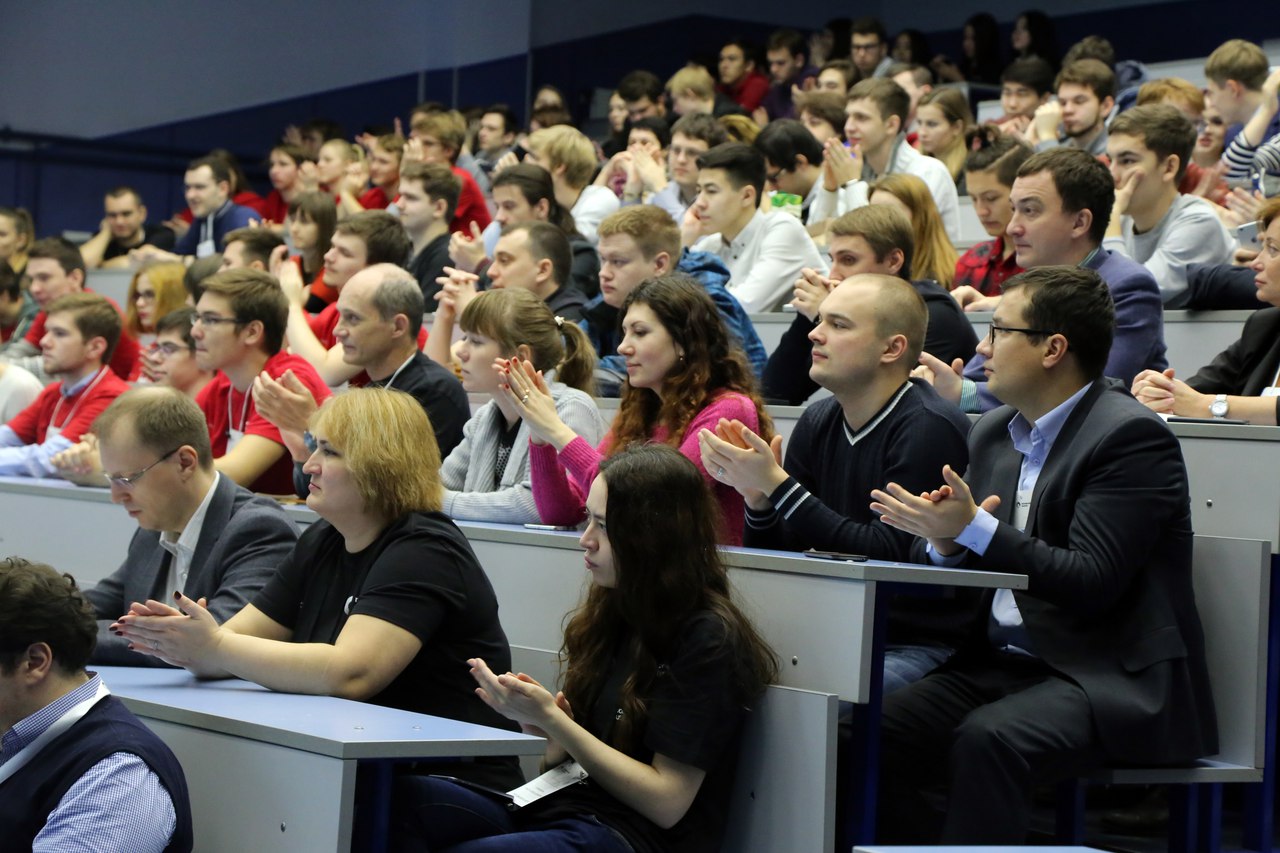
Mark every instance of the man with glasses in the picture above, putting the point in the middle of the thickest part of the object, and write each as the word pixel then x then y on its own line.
pixel 869 48
pixel 173 358
pixel 1062 201
pixel 1101 659
pixel 198 532
pixel 80 332
pixel 239 332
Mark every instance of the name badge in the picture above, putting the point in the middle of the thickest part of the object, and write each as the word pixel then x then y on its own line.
pixel 205 248
pixel 233 438
pixel 1273 391
pixel 560 776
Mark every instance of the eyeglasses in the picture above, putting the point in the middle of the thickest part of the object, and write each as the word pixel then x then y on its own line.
pixel 168 349
pixel 772 177
pixel 1004 330
pixel 147 295
pixel 128 481
pixel 865 46
pixel 215 320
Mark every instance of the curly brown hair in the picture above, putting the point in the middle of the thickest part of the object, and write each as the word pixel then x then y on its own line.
pixel 713 363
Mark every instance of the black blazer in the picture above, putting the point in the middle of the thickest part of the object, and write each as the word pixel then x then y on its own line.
pixel 1249 365
pixel 1107 548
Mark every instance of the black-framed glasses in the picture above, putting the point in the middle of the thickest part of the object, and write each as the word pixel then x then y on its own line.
pixel 168 349
pixel 772 177
pixel 128 481
pixel 215 320
pixel 991 333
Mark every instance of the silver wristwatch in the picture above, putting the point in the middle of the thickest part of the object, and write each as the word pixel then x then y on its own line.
pixel 1218 408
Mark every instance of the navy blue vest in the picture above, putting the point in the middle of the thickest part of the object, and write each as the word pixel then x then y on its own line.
pixel 27 797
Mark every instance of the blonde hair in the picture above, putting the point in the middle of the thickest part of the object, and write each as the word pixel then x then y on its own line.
pixel 566 146
pixel 389 447
pixel 171 294
pixel 935 257
pixel 692 78
pixel 740 128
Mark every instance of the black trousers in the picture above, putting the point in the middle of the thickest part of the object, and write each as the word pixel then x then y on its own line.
pixel 990 726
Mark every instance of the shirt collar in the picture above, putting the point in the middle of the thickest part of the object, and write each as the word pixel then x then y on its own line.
pixel 1046 428
pixel 29 728
pixel 748 235
pixel 190 537
pixel 69 391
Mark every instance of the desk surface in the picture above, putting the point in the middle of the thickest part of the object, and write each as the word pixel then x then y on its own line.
pixel 338 728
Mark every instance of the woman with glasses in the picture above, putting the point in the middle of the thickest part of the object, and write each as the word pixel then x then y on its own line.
pixel 661 666
pixel 382 600
pixel 153 292
pixel 1243 381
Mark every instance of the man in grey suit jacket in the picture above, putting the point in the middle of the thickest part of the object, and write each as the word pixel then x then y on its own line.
pixel 1102 658
pixel 198 531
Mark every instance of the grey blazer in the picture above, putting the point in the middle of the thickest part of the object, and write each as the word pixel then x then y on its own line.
pixel 243 540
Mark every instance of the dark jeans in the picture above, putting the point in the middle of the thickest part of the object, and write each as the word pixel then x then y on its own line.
pixel 433 814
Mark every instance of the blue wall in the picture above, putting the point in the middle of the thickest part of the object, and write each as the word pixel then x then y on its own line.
pixel 62 184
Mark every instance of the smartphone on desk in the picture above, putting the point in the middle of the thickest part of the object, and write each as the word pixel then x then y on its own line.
pixel 838 556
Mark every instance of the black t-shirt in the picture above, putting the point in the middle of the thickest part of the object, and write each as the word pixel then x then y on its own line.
pixel 694 717
pixel 440 393
pixel 428 265
pixel 152 235
pixel 420 575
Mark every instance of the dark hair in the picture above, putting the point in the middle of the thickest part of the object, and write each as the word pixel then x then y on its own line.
pixel 93 317
pixel 438 182
pixel 39 605
pixel 1082 182
pixel 1162 128
pixel 257 243
pixel 327 128
pixel 985 65
pixel 1033 72
pixel 296 153
pixel 1091 47
pixel 534 184
pixel 163 419
pixel 58 249
pixel 550 117
pixel 509 122
pixel 385 241
pixel 23 224
pixel 1090 73
pixel 920 50
pixel 317 207
pixel 1074 302
pixel 124 190
pixel 828 106
pixel 1044 43
pixel 254 296
pixel 658 127
pixel 780 141
pixel 663 525
pixel 847 70
pixel 10 283
pixel 989 149
pixel 787 39
pixel 219 166
pixel 513 316
pixel 742 164
pixel 546 241
pixel 701 126
pixel 921 75
pixel 870 26
pixel 640 84
pixel 201 268
pixel 713 363
pixel 890 98
pixel 179 320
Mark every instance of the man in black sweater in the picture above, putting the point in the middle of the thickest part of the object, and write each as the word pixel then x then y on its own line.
pixel 879 426
pixel 872 239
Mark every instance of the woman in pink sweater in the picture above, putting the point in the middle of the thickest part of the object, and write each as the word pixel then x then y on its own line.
pixel 684 372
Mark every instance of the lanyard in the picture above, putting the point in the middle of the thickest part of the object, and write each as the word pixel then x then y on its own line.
pixel 244 411
pixel 66 721
pixel 392 380
pixel 53 419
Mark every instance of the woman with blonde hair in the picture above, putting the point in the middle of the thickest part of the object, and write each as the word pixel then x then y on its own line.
pixel 942 119
pixel 382 600
pixel 486 477
pixel 935 257
pixel 154 291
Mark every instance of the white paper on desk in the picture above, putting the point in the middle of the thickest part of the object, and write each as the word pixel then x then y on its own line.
pixel 560 776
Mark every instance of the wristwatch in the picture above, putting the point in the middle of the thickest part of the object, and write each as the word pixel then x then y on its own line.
pixel 1218 408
